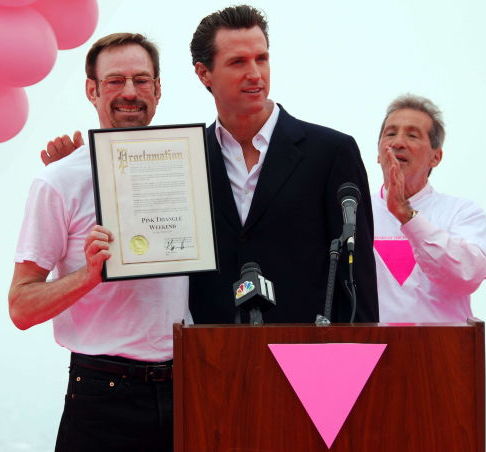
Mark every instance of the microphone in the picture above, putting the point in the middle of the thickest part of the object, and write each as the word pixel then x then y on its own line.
pixel 253 292
pixel 349 196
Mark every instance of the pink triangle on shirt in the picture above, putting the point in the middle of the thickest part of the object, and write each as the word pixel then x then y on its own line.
pixel 397 256
pixel 327 379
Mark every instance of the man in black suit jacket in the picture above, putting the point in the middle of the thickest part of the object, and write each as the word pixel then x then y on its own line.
pixel 274 183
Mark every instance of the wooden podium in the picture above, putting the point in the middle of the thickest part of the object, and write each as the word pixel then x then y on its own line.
pixel 425 394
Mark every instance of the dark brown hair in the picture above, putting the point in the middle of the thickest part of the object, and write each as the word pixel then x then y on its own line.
pixel 117 40
pixel 233 18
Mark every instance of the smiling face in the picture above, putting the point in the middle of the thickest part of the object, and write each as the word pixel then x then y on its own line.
pixel 240 77
pixel 406 132
pixel 128 106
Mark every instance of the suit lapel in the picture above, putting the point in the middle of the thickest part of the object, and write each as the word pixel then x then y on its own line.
pixel 223 199
pixel 282 157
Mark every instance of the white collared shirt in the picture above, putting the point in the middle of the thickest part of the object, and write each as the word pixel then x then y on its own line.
pixel 243 183
pixel 428 267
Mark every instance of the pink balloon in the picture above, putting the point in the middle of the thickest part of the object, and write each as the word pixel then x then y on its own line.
pixel 73 21
pixel 27 46
pixel 16 2
pixel 14 109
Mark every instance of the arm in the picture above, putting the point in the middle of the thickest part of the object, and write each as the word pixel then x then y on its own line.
pixel 448 259
pixel 61 147
pixel 32 300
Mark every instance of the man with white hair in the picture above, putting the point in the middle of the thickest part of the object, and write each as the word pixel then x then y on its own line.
pixel 430 248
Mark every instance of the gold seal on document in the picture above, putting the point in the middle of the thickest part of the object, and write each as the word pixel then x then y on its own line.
pixel 139 244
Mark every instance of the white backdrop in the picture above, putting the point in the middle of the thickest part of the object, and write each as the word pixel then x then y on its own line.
pixel 334 63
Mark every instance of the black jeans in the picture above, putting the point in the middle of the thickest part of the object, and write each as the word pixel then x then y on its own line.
pixel 108 412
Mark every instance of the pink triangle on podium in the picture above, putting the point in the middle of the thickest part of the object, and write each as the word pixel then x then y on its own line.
pixel 397 256
pixel 328 379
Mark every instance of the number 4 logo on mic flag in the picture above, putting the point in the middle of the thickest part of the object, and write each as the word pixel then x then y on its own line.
pixel 327 379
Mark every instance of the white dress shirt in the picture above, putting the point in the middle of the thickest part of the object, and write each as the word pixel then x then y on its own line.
pixel 428 267
pixel 243 183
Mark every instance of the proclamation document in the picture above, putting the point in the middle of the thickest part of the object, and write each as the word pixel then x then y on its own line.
pixel 152 191
pixel 155 200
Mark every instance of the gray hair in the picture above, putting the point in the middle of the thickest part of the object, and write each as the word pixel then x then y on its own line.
pixel 412 102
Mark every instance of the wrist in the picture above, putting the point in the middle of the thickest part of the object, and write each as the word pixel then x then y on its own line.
pixel 88 279
pixel 406 215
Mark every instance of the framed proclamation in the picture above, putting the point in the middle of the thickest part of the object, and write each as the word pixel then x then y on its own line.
pixel 152 191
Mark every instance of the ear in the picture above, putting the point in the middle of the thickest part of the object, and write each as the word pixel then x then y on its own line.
pixel 203 73
pixel 436 157
pixel 91 92
pixel 158 90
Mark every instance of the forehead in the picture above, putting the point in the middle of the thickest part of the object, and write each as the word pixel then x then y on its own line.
pixel 125 59
pixel 241 40
pixel 409 118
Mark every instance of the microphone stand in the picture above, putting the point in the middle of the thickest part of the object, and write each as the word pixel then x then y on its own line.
pixel 350 284
pixel 256 317
pixel 334 255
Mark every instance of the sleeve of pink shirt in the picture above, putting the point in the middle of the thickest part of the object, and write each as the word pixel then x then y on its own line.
pixel 455 259
pixel 43 235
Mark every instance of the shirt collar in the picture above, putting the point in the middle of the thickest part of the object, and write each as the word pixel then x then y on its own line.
pixel 265 132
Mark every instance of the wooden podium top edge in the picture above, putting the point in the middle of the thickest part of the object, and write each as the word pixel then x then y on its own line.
pixel 471 322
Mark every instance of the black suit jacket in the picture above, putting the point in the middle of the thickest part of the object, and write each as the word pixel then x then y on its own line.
pixel 293 217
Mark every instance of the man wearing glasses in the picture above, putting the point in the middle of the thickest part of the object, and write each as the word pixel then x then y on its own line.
pixel 119 395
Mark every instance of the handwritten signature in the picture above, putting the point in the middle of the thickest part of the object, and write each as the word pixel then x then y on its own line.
pixel 175 244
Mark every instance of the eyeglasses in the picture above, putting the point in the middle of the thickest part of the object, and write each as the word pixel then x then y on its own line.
pixel 117 82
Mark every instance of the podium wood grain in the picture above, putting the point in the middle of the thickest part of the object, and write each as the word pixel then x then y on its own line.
pixel 425 394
